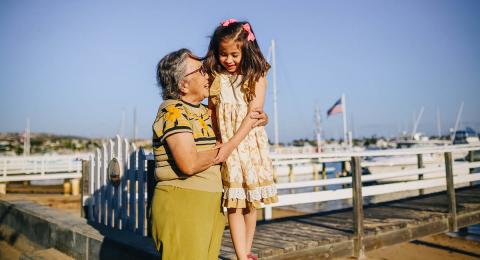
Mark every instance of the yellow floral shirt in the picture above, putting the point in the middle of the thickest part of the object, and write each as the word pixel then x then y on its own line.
pixel 176 116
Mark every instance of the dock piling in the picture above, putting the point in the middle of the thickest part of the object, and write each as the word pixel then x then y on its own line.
pixel 3 188
pixel 315 174
pixel 291 177
pixel 67 187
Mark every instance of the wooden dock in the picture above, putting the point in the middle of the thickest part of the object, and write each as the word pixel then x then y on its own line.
pixel 331 234
pixel 120 197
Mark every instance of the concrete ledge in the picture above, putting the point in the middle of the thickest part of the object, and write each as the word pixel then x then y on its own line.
pixel 46 254
pixel 72 235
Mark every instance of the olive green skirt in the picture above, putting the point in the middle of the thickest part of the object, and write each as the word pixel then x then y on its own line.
pixel 187 224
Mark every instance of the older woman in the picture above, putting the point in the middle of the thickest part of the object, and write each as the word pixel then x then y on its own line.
pixel 187 217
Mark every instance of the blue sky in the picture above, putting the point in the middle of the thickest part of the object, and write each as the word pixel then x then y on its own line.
pixel 75 67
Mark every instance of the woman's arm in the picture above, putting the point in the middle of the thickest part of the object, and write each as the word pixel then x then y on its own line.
pixel 185 155
pixel 247 123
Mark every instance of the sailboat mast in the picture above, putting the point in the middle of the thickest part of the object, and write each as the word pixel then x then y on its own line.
pixel 134 123
pixel 121 130
pixel 275 111
pixel 318 129
pixel 439 127
pixel 416 122
pixel 457 121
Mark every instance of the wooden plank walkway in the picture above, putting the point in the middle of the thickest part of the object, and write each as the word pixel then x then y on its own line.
pixel 330 234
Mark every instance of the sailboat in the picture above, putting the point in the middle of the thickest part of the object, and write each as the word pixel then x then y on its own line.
pixel 376 165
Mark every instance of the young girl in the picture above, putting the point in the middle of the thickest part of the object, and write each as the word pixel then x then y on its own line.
pixel 238 70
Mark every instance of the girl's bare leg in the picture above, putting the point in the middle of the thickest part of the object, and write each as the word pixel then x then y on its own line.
pixel 250 215
pixel 236 223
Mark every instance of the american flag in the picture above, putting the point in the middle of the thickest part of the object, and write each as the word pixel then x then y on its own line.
pixel 336 108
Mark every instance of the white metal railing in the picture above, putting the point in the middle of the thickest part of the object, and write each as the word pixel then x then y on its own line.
pixel 436 172
pixel 24 168
pixel 387 152
pixel 436 177
pixel 346 193
pixel 448 177
pixel 296 164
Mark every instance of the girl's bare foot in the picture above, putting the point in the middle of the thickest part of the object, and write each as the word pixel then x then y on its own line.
pixel 252 256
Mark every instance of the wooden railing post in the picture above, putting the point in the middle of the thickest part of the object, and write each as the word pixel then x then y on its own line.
pixel 358 230
pixel 451 193
pixel 85 188
pixel 150 190
pixel 420 166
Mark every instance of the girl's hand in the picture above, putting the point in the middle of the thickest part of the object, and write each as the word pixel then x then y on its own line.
pixel 258 113
pixel 218 145
pixel 225 151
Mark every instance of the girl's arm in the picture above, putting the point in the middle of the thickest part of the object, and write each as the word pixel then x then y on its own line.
pixel 247 123
pixel 213 114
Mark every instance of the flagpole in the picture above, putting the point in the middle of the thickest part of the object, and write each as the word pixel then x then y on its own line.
pixel 275 111
pixel 345 137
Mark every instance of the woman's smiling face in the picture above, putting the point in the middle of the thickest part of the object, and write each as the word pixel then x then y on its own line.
pixel 196 79
pixel 230 55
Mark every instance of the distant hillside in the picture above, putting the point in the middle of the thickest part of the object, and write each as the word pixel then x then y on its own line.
pixel 41 143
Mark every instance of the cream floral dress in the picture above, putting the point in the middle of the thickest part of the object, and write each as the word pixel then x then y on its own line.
pixel 247 174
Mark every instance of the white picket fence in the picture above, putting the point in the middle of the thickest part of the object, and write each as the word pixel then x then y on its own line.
pixel 121 206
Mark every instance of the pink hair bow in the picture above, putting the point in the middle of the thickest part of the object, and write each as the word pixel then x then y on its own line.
pixel 228 22
pixel 247 28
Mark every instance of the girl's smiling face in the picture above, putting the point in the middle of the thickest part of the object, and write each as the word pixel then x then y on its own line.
pixel 230 55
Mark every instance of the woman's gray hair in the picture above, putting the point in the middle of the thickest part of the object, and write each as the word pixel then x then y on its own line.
pixel 170 71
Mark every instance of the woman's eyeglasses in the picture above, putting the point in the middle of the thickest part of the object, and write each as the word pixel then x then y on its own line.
pixel 201 70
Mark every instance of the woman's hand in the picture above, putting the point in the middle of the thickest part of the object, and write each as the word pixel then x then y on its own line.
pixel 260 115
pixel 225 150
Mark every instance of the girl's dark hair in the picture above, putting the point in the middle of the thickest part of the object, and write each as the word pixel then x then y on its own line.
pixel 253 65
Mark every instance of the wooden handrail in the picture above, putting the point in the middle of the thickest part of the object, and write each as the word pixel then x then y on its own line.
pixel 375 177
pixel 387 152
